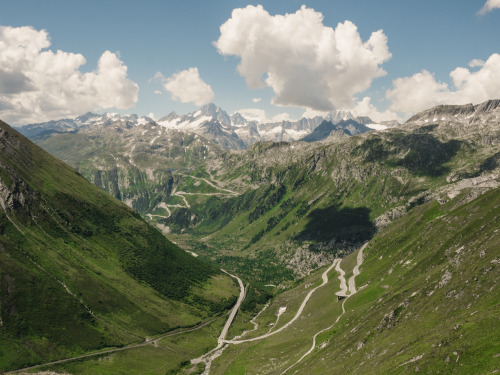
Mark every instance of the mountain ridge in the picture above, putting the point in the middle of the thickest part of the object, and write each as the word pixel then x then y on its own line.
pixel 465 114
pixel 343 127
pixel 231 132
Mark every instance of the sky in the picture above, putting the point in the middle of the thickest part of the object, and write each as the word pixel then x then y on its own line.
pixel 269 60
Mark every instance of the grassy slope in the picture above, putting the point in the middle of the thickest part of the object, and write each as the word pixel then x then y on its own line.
pixel 124 280
pixel 167 357
pixel 428 302
pixel 432 291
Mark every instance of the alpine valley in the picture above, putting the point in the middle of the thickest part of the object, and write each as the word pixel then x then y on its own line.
pixel 347 246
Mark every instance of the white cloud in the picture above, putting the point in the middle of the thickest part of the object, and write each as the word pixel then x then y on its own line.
pixel 306 63
pixel 186 86
pixel 158 92
pixel 281 117
pixel 256 100
pixel 476 63
pixel 37 84
pixel 253 114
pixel 416 93
pixel 259 115
pixel 489 6
pixel 422 91
pixel 312 113
pixel 365 108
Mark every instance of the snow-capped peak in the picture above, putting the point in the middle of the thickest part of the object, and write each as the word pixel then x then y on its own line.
pixel 216 113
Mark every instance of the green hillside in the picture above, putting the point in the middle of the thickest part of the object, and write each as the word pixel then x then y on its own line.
pixel 427 301
pixel 80 271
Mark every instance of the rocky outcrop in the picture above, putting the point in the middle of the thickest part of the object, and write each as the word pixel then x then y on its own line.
pixel 18 197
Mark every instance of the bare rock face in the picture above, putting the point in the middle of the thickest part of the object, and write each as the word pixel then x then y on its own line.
pixel 13 198
pixel 468 114
pixel 15 194
pixel 388 217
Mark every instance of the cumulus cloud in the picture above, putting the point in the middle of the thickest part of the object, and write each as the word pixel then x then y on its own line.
pixel 364 107
pixel 306 63
pixel 186 86
pixel 260 115
pixel 37 84
pixel 256 100
pixel 476 63
pixel 489 6
pixel 311 113
pixel 422 90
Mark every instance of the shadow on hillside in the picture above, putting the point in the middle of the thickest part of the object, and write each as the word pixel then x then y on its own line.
pixel 427 155
pixel 421 153
pixel 340 226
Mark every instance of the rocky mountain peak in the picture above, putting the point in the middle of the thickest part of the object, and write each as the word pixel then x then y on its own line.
pixel 328 128
pixel 209 109
pixel 365 120
pixel 238 119
pixel 171 116
pixel 488 106
pixel 216 113
pixel 86 117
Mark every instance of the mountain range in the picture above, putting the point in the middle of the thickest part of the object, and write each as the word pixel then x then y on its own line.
pixel 213 123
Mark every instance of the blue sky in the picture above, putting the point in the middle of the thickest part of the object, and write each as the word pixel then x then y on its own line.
pixel 425 40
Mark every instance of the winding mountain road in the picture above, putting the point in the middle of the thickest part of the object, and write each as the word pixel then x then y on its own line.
pixel 297 314
pixel 343 284
pixel 342 292
pixel 214 186
pixel 183 194
pixel 355 270
pixel 207 358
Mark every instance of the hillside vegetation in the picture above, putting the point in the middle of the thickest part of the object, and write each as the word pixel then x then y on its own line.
pixel 80 271
pixel 427 301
